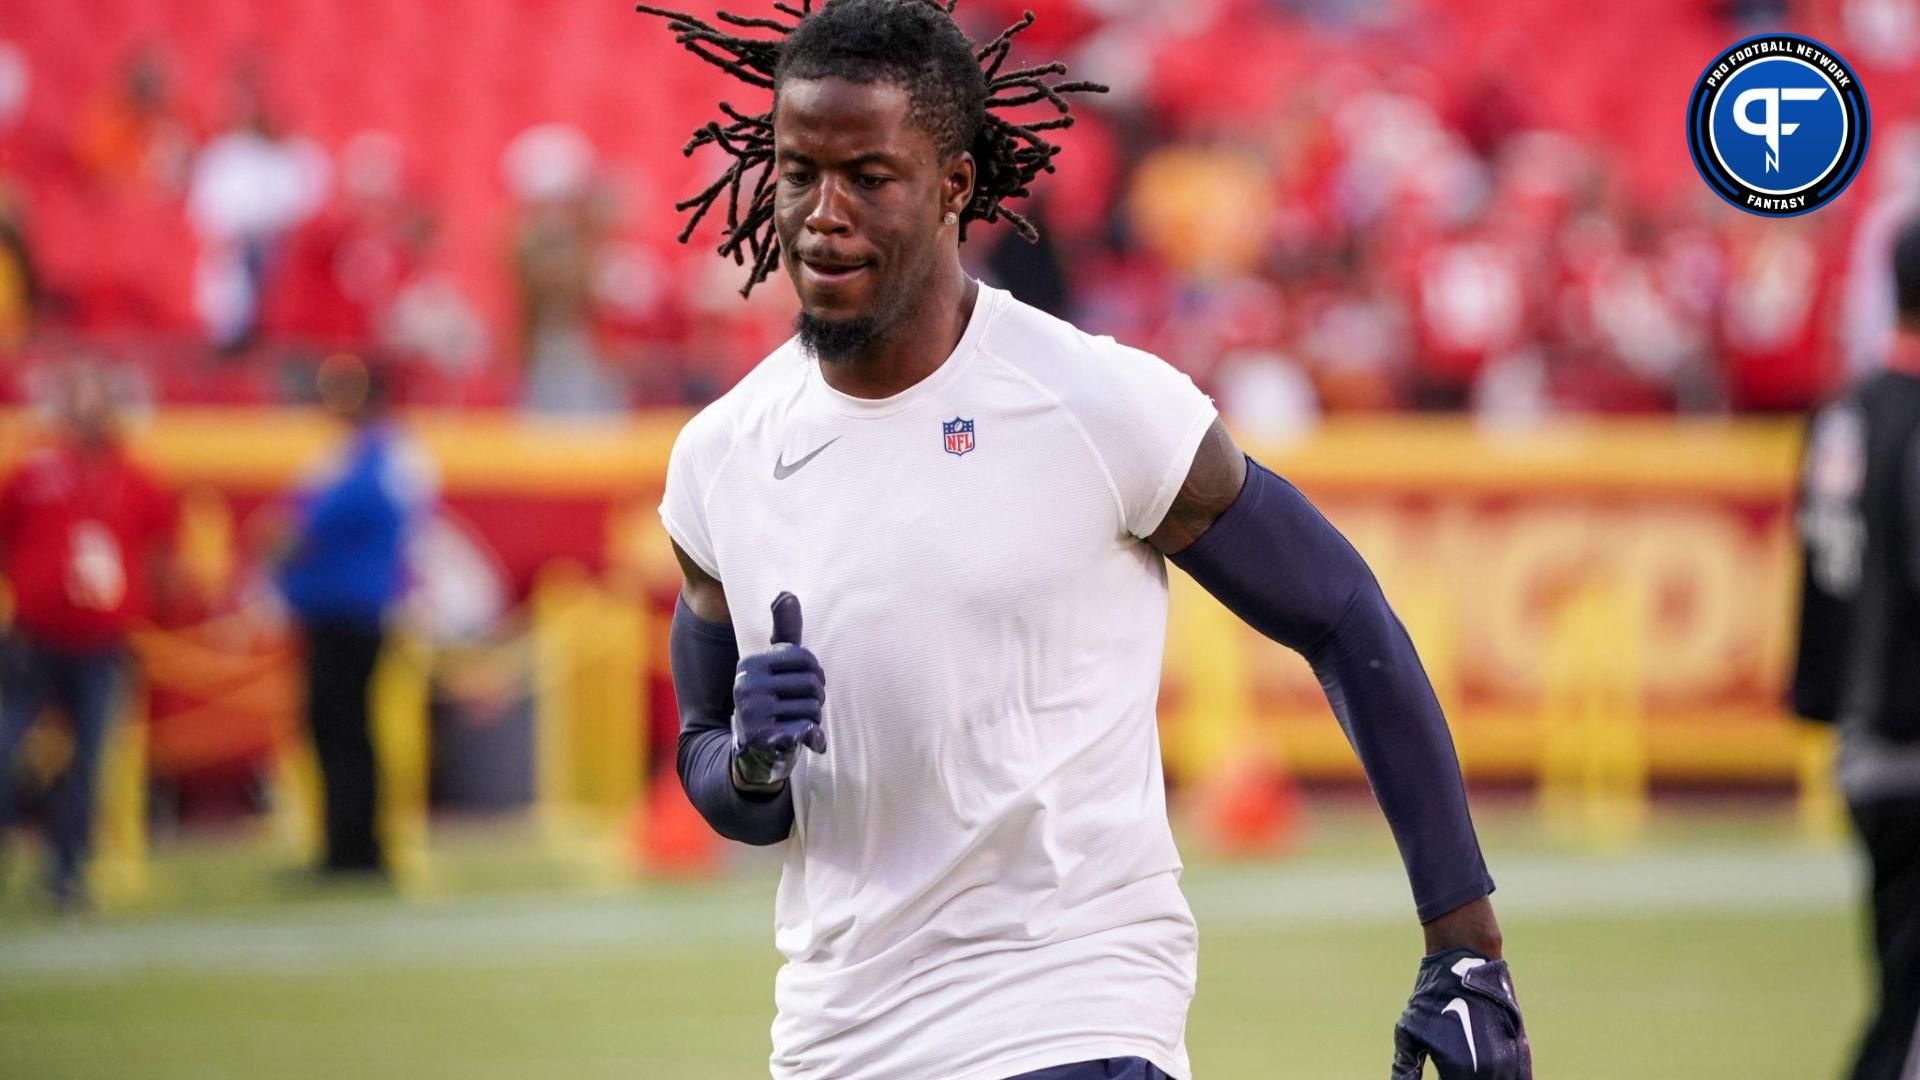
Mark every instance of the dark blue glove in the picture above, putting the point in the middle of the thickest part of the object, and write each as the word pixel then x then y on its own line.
pixel 1464 1016
pixel 777 697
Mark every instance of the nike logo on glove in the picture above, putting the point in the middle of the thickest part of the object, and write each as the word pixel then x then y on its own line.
pixel 1465 1015
pixel 782 470
pixel 1466 1025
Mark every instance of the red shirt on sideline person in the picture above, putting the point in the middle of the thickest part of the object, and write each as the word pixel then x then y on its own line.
pixel 79 521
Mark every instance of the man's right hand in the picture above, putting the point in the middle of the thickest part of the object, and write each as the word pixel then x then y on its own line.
pixel 777 697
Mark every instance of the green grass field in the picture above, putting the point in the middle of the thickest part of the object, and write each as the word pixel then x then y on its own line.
pixel 1706 950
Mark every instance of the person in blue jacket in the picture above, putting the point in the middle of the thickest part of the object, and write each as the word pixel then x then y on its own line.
pixel 343 572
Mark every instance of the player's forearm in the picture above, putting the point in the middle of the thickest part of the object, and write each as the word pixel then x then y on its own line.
pixel 704 656
pixel 1278 564
pixel 705 762
pixel 1374 682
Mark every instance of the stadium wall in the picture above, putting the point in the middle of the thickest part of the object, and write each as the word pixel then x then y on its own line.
pixel 1609 595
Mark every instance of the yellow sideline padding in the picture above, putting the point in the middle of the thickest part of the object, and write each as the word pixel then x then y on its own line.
pixel 266 448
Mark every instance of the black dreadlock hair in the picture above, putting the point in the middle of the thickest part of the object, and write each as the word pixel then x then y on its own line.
pixel 954 90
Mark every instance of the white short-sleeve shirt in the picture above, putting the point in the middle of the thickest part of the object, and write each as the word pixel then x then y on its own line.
pixel 981 880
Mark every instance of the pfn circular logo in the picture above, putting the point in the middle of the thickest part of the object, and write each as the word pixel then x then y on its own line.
pixel 1778 125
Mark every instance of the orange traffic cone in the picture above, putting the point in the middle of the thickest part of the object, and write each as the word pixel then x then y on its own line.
pixel 1248 811
pixel 669 836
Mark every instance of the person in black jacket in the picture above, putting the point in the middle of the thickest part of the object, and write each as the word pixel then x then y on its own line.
pixel 1859 655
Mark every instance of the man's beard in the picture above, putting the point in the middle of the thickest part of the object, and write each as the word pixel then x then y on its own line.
pixel 838 339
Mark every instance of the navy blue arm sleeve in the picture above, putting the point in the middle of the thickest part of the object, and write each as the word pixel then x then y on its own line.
pixel 1274 561
pixel 704 657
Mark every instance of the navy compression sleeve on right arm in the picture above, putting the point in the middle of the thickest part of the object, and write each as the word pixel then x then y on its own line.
pixel 704 657
pixel 1273 560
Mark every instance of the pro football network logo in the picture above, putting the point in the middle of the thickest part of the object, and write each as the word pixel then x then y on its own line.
pixel 959 435
pixel 1777 125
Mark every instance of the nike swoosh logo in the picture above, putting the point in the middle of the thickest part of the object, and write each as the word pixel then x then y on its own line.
pixel 782 470
pixel 1466 1025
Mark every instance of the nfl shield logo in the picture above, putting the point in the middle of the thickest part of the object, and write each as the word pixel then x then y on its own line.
pixel 959 435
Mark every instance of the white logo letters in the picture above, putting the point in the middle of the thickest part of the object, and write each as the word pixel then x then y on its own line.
pixel 1771 128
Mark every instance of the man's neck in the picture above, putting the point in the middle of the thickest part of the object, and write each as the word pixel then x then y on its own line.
pixel 915 347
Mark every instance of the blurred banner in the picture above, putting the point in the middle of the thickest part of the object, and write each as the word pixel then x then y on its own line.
pixel 1607 595
pixel 1619 590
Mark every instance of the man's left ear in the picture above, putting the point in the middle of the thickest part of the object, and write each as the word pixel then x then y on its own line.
pixel 957 190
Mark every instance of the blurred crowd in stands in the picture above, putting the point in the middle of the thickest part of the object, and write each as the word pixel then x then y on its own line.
pixel 1313 208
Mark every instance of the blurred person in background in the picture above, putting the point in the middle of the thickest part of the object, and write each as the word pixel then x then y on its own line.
pixel 1472 301
pixel 83 538
pixel 551 170
pixel 131 133
pixel 250 187
pixel 1859 655
pixel 430 321
pixel 1774 332
pixel 339 270
pixel 20 286
pixel 1869 309
pixel 20 141
pixel 342 572
pixel 19 278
